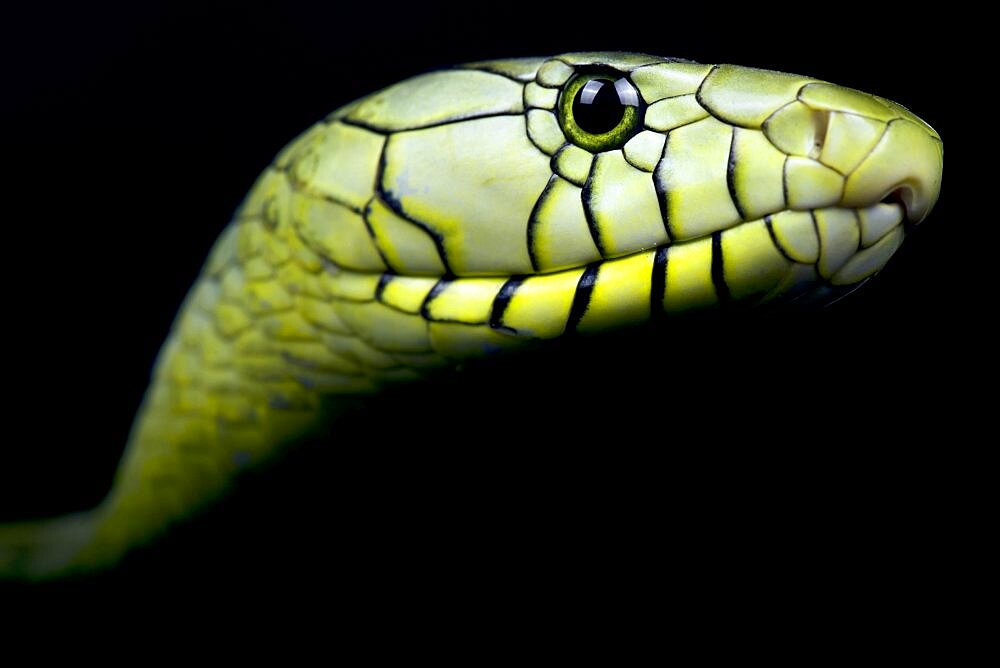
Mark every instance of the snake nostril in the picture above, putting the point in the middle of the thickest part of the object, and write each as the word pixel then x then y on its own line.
pixel 821 124
pixel 799 130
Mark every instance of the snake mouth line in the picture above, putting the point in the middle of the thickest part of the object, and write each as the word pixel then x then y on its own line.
pixel 903 198
pixel 873 223
pixel 751 262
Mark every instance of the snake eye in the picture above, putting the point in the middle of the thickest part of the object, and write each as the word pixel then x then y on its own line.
pixel 600 111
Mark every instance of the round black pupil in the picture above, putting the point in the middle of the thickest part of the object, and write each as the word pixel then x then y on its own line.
pixel 598 108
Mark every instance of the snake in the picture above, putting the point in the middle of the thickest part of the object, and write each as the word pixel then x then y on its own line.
pixel 473 210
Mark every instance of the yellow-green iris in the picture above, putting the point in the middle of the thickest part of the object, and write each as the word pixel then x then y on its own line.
pixel 600 111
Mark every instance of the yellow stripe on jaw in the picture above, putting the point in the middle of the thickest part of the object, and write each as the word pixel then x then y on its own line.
pixel 406 293
pixel 748 261
pixel 620 294
pixel 468 300
pixel 689 283
pixel 540 306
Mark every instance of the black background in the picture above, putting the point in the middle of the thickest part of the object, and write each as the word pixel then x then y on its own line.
pixel 837 441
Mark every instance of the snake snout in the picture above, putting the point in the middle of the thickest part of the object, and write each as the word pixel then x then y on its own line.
pixel 885 152
pixel 904 167
pixel 851 149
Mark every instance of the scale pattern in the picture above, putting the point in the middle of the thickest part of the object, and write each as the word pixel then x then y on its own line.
pixel 448 216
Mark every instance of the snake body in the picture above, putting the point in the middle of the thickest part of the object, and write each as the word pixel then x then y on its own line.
pixel 470 210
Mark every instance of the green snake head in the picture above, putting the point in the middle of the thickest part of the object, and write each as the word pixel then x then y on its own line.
pixel 617 186
pixel 470 209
